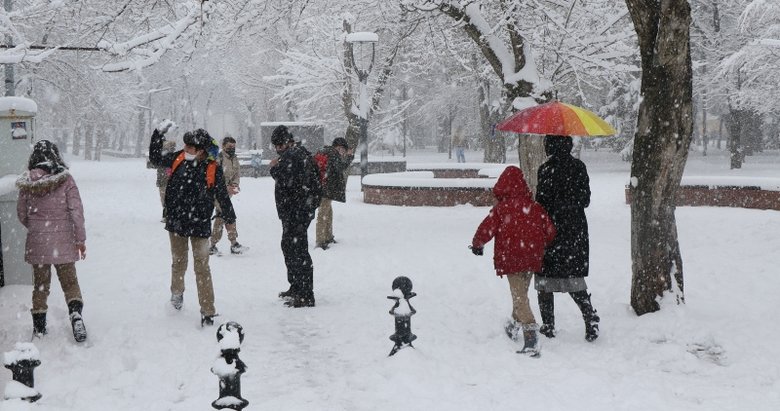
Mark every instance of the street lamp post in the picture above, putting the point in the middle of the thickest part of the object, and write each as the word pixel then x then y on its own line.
pixel 362 105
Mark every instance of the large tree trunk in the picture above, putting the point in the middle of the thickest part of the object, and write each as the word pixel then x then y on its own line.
pixel 661 146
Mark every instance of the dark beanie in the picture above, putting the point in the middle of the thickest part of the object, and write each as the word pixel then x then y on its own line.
pixel 340 142
pixel 199 139
pixel 281 135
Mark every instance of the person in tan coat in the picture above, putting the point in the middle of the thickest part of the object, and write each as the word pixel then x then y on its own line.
pixel 231 169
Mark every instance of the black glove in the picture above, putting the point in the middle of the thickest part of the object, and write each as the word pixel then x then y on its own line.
pixel 477 250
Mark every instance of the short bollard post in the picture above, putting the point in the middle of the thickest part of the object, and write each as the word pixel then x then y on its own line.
pixel 228 367
pixel 402 311
pixel 22 362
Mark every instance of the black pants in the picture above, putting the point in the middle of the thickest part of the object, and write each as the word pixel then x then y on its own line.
pixel 295 247
pixel 581 298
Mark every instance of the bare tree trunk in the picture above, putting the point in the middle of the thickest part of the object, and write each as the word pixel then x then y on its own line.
pixel 662 141
pixel 77 139
pixel 89 135
pixel 140 142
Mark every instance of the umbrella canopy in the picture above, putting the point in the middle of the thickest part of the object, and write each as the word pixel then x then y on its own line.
pixel 557 118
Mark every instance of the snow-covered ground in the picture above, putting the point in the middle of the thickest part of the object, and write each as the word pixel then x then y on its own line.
pixel 720 351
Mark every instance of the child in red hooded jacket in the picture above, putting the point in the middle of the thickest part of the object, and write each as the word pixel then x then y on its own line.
pixel 522 229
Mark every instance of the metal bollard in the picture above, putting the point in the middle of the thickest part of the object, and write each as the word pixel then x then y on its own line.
pixel 22 362
pixel 228 367
pixel 403 314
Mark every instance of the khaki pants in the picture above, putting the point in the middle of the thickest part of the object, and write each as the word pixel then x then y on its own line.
pixel 200 255
pixel 216 230
pixel 42 282
pixel 518 286
pixel 324 225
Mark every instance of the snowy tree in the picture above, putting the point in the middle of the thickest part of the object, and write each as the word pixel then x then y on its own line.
pixel 661 145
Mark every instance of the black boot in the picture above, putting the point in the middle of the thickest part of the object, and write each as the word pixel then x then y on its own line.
pixel 547 310
pixel 582 298
pixel 39 324
pixel 79 330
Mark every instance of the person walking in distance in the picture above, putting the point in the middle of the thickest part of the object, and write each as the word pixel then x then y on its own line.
pixel 231 170
pixel 50 207
pixel 196 182
pixel 564 191
pixel 333 176
pixel 297 192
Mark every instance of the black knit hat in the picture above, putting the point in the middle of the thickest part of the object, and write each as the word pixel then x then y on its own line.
pixel 281 135
pixel 340 142
pixel 46 156
pixel 199 139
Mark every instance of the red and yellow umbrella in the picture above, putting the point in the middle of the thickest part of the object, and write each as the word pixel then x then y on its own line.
pixel 557 118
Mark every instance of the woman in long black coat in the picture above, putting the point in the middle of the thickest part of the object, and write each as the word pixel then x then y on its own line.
pixel 564 191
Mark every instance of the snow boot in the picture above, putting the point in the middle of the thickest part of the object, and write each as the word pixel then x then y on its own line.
pixel 79 330
pixel 237 248
pixel 582 298
pixel 546 309
pixel 530 341
pixel 300 301
pixel 207 320
pixel 177 301
pixel 213 250
pixel 39 324
pixel 512 329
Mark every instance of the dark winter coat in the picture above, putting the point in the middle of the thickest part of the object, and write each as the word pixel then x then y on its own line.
pixel 519 224
pixel 189 203
pixel 297 189
pixel 564 191
pixel 50 207
pixel 335 177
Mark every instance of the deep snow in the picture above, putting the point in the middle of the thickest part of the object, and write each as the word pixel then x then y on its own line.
pixel 719 351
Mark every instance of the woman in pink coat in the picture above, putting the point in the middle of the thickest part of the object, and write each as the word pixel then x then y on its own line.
pixel 50 207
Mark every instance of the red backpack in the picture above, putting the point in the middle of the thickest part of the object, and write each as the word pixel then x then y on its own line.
pixel 321 159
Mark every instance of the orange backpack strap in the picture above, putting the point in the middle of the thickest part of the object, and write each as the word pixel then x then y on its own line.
pixel 177 161
pixel 211 170
pixel 211 174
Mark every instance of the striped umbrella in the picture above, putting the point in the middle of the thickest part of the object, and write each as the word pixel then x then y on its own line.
pixel 557 118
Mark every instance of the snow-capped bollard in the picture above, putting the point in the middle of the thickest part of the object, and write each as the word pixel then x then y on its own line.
pixel 402 288
pixel 22 362
pixel 228 367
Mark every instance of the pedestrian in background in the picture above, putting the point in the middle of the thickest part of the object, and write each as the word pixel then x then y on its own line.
pixel 50 207
pixel 333 177
pixel 231 170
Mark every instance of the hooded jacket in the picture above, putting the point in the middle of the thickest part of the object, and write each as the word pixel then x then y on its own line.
pixel 519 225
pixel 297 188
pixel 564 191
pixel 50 207
pixel 335 187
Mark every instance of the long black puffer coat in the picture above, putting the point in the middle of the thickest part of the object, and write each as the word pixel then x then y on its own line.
pixel 189 203
pixel 564 191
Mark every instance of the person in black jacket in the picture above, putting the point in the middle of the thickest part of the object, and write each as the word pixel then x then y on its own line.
pixel 564 191
pixel 195 183
pixel 297 192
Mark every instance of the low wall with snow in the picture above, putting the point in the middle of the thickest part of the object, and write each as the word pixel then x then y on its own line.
pixel 433 185
pixel 743 192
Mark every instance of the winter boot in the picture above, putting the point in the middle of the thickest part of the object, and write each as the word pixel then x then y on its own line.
pixel 530 341
pixel 512 329
pixel 213 250
pixel 582 298
pixel 79 330
pixel 546 309
pixel 177 301
pixel 287 295
pixel 207 320
pixel 237 248
pixel 300 301
pixel 39 324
